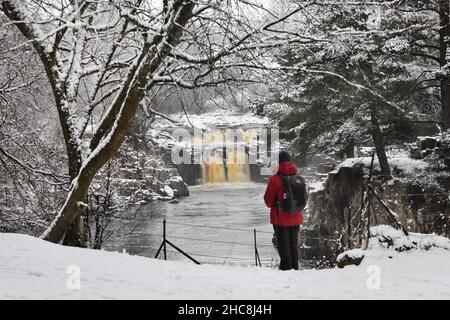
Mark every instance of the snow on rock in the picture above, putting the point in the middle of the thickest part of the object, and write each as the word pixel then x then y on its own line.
pixel 34 269
pixel 168 191
pixel 403 163
pixel 389 236
pixel 385 231
pixel 211 120
pixel 176 179
pixel 354 253
pixel 350 257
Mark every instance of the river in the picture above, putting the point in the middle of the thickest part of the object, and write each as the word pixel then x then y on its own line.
pixel 214 225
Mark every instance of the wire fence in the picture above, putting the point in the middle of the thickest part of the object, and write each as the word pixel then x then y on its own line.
pixel 215 227
pixel 238 250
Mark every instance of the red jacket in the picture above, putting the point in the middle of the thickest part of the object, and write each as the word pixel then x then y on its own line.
pixel 274 191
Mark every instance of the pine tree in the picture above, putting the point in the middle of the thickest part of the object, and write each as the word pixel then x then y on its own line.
pixel 353 83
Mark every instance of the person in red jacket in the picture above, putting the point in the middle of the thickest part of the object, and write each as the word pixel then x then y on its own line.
pixel 286 225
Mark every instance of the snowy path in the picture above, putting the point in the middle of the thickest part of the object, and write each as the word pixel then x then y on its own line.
pixel 31 268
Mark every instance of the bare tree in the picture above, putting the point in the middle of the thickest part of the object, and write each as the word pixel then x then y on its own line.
pixel 102 58
pixel 31 180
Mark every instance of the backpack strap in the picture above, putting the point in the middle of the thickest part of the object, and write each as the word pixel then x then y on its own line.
pixel 283 178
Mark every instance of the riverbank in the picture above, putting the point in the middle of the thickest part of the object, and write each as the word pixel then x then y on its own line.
pixel 34 269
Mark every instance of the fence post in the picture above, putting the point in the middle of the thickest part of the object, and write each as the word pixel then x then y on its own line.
pixel 257 259
pixel 164 243
pixel 164 240
pixel 254 239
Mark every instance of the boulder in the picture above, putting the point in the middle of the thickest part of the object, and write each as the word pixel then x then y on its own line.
pixel 326 167
pixel 167 192
pixel 426 143
pixel 178 185
pixel 350 257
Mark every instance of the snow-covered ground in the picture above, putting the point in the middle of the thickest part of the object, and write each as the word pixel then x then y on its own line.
pixel 32 268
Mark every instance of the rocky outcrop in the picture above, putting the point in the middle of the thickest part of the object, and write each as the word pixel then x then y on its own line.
pixel 141 173
pixel 388 237
pixel 327 206
pixel 178 186
pixel 418 193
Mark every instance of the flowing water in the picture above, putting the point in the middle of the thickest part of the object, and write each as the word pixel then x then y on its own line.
pixel 214 225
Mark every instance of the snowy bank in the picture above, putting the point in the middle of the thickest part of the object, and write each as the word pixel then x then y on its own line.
pixel 403 163
pixel 211 120
pixel 34 269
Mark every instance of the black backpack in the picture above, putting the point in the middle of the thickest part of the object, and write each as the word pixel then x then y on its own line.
pixel 295 195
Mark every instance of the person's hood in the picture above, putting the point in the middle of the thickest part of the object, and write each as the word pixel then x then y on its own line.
pixel 287 168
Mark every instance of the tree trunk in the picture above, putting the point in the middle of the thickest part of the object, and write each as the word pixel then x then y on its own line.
pixel 117 122
pixel 444 42
pixel 76 236
pixel 445 103
pixel 378 141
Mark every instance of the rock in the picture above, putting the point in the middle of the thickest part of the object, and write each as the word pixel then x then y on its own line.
pixel 350 257
pixel 420 200
pixel 326 167
pixel 167 192
pixel 363 151
pixel 329 204
pixel 312 245
pixel 174 201
pixel 177 183
pixel 191 173
pixel 405 246
pixel 426 143
pixel 416 153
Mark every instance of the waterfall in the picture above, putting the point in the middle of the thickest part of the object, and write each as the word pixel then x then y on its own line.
pixel 238 169
pixel 213 170
pixel 220 165
pixel 235 170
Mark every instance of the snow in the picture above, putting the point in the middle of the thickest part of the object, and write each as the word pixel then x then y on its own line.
pixel 403 163
pixel 413 240
pixel 169 191
pixel 396 45
pixel 176 179
pixel 31 268
pixel 354 253
pixel 317 185
pixel 386 232
pixel 211 120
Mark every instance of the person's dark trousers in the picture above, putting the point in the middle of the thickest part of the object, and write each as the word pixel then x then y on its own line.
pixel 287 246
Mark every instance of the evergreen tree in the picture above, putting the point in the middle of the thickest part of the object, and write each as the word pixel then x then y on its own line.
pixel 353 83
